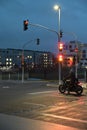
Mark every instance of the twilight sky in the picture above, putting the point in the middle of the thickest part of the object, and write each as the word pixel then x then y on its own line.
pixel 13 12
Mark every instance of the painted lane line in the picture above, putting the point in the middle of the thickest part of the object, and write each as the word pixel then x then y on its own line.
pixel 66 118
pixel 42 105
pixel 40 92
pixel 5 87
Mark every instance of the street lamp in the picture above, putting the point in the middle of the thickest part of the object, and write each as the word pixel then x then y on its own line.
pixel 57 8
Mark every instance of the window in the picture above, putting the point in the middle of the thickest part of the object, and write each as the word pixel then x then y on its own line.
pixel 84 51
pixel 84 56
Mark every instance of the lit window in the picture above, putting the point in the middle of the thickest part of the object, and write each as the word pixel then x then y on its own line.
pixel 30 57
pixel 6 63
pixel 17 56
pixel 7 59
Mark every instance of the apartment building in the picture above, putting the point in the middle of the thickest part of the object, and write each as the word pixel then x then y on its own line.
pixel 78 50
pixel 11 57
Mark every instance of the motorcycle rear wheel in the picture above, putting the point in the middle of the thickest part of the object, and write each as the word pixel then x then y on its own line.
pixel 79 90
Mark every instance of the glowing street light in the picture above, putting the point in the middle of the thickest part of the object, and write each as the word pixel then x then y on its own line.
pixel 56 7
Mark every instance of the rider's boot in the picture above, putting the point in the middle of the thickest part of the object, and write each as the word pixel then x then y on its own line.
pixel 68 91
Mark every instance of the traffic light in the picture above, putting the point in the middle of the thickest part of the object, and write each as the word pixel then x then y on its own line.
pixel 69 61
pixel 60 57
pixel 25 24
pixel 61 34
pixel 70 48
pixel 38 41
pixel 76 50
pixel 60 46
pixel 74 60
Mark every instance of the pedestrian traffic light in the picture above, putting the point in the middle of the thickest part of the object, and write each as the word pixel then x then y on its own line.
pixel 60 46
pixel 38 41
pixel 25 24
pixel 60 57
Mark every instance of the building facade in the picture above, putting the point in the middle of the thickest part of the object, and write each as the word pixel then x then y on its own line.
pixel 75 50
pixel 11 57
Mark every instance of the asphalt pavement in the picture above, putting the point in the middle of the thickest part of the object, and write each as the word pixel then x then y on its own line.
pixel 8 122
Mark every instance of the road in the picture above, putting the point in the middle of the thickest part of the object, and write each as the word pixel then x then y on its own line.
pixel 35 100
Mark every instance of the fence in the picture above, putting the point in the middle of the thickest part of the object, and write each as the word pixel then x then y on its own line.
pixel 51 75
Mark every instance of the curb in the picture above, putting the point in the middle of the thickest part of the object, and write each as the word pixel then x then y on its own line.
pixel 84 85
pixel 52 85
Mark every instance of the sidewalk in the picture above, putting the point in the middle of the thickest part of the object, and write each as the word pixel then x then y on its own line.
pixel 18 123
pixel 48 83
pixel 83 84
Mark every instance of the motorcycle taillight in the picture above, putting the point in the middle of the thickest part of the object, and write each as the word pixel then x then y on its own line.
pixel 79 83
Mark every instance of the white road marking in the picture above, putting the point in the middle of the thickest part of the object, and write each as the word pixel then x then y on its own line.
pixel 5 87
pixel 62 117
pixel 40 92
pixel 35 104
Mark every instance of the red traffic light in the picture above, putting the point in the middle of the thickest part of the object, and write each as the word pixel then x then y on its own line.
pixel 76 49
pixel 69 61
pixel 60 46
pixel 26 24
pixel 60 57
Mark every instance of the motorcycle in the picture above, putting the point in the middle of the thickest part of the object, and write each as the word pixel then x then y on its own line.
pixel 76 87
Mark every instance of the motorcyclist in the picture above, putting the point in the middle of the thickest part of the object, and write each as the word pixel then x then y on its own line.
pixel 71 77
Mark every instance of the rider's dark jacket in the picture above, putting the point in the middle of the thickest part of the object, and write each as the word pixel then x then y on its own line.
pixel 70 77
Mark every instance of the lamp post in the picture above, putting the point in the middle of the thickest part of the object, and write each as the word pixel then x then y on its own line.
pixel 57 8
pixel 22 65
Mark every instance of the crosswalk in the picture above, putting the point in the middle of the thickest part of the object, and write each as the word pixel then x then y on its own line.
pixel 68 110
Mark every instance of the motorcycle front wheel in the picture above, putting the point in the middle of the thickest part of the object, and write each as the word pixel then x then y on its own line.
pixel 62 89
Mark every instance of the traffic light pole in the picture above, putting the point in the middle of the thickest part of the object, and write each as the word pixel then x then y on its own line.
pixel 76 66
pixel 22 65
pixel 23 56
pixel 44 27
